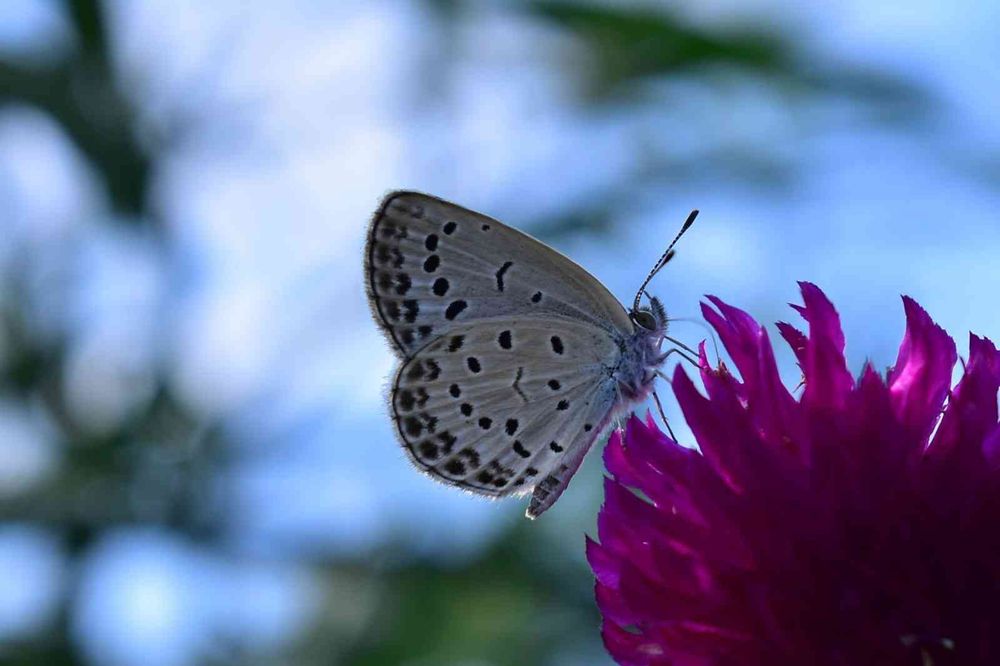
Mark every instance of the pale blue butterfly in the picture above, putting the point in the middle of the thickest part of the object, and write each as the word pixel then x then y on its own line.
pixel 514 359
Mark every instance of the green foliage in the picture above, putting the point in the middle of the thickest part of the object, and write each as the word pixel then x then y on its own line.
pixel 629 44
pixel 499 609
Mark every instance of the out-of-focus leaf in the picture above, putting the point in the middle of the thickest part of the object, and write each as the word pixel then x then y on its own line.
pixel 635 42
pixel 591 216
pixel 501 610
pixel 887 99
pixel 82 94
pixel 88 18
pixel 630 44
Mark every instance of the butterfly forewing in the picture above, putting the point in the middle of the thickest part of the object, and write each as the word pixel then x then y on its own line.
pixel 497 406
pixel 432 265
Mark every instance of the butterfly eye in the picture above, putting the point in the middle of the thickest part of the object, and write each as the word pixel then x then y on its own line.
pixel 645 319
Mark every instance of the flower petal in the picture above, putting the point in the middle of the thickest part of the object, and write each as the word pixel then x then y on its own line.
pixel 770 405
pixel 738 332
pixel 629 649
pixel 958 451
pixel 828 382
pixel 718 425
pixel 796 339
pixel 919 380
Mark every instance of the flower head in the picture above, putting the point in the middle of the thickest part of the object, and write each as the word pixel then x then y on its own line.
pixel 856 524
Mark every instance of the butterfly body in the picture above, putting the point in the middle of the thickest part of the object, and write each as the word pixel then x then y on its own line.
pixel 641 356
pixel 514 359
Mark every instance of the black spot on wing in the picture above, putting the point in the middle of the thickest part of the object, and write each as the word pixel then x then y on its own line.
pixel 511 426
pixel 447 441
pixel 413 426
pixel 416 371
pixel 412 310
pixel 431 263
pixel 520 450
pixel 555 447
pixel 471 455
pixel 407 400
pixel 430 422
pixel 431 242
pixel 474 364
pixel 449 227
pixel 403 283
pixel 429 450
pixel 440 287
pixel 422 396
pixel 516 386
pixel 504 339
pixel 557 344
pixel 500 273
pixel 454 309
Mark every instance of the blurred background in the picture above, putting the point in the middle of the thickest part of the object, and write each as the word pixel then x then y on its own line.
pixel 196 466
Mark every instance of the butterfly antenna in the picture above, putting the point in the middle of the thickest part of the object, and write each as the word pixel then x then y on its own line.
pixel 664 258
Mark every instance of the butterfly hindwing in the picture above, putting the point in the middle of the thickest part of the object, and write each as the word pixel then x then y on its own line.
pixel 505 405
pixel 432 266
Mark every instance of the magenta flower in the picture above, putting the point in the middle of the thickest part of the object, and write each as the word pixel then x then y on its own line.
pixel 837 528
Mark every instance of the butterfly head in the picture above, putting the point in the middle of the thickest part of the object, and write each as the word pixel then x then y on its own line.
pixel 651 319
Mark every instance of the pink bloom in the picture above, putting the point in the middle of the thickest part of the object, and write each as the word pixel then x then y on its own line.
pixel 839 527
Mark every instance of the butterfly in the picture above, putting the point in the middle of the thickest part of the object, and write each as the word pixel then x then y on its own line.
pixel 513 358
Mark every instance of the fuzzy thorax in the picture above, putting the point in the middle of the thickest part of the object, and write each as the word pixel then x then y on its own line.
pixel 640 359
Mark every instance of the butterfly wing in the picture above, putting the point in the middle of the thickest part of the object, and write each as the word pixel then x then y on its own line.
pixel 507 405
pixel 432 266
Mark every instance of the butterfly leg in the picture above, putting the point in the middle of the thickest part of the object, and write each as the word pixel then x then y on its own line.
pixel 698 322
pixel 664 416
pixel 680 352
